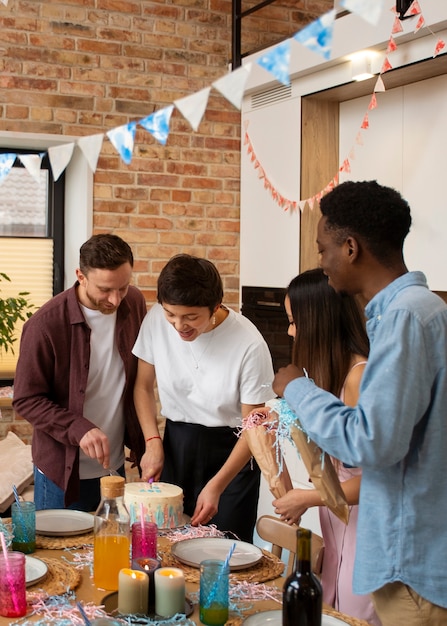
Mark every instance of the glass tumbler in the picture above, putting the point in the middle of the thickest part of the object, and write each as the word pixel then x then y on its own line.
pixel 23 517
pixel 214 576
pixel 144 540
pixel 12 584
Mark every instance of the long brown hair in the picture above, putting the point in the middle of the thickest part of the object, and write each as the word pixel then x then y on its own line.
pixel 330 328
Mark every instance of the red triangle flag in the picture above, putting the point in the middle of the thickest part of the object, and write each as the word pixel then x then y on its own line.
pixel 439 46
pixel 414 9
pixel 391 45
pixel 386 66
pixel 397 26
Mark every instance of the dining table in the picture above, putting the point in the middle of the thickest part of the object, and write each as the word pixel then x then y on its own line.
pixel 68 581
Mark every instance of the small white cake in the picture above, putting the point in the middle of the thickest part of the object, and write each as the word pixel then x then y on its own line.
pixel 161 503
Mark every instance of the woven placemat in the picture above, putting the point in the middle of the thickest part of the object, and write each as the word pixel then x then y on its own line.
pixel 60 578
pixel 268 568
pixel 237 620
pixel 352 621
pixel 59 543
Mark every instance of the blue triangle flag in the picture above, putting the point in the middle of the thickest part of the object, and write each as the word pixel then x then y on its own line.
pixel 277 62
pixel 123 138
pixel 317 36
pixel 158 123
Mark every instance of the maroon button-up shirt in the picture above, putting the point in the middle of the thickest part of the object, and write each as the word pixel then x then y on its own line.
pixel 51 379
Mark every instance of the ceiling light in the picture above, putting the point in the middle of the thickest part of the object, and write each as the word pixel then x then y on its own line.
pixel 361 68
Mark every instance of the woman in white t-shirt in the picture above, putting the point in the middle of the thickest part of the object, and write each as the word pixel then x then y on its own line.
pixel 211 366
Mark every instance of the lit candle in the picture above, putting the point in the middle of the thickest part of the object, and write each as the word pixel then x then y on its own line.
pixel 149 566
pixel 169 591
pixel 133 589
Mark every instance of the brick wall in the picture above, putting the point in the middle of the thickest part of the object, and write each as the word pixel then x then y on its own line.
pixel 81 67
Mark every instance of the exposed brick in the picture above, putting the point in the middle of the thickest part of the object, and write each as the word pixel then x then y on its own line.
pixel 77 67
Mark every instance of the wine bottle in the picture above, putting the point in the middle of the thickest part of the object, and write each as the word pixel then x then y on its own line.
pixel 302 601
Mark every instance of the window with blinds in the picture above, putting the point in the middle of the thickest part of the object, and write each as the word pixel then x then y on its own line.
pixel 31 242
pixel 28 262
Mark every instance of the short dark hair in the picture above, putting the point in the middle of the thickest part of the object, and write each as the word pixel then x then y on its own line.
pixel 104 251
pixel 378 215
pixel 190 281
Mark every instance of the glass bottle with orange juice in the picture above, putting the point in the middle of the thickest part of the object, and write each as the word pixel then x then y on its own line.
pixel 111 546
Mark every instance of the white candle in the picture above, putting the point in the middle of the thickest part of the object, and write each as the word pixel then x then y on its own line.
pixel 133 588
pixel 169 591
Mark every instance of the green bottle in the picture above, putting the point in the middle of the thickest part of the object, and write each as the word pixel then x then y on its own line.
pixel 302 601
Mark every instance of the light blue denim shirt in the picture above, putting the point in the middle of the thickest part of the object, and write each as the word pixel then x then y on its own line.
pixel 398 435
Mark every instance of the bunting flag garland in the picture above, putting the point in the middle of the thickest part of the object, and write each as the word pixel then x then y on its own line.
pixel 369 11
pixel 317 36
pixel 6 162
pixel 123 138
pixel 193 107
pixel 277 62
pixel 232 85
pixel 90 147
pixel 60 157
pixel 283 202
pixel 32 163
pixel 158 124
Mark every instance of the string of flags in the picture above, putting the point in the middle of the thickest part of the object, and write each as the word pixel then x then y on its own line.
pixel 316 36
pixel 414 11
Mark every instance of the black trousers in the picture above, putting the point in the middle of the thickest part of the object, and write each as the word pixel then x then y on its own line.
pixel 193 455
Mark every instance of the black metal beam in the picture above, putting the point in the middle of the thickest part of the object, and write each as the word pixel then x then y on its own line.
pixel 236 34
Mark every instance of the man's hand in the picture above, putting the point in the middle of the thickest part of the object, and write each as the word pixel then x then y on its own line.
pixel 283 378
pixel 95 444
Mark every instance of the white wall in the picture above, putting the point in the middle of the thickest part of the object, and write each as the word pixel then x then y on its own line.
pixel 269 244
pixel 405 148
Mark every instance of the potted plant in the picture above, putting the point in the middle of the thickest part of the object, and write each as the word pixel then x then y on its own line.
pixel 12 309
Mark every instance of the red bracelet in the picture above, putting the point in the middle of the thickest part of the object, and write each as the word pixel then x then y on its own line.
pixel 154 437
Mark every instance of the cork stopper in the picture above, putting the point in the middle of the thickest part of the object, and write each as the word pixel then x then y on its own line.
pixel 112 486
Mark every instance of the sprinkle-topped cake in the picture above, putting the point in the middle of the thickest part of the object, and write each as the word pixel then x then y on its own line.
pixel 161 503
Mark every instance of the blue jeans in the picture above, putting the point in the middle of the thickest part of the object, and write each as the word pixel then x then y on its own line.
pixel 47 495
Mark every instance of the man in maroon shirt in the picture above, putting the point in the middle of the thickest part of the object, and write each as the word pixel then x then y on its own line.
pixel 75 376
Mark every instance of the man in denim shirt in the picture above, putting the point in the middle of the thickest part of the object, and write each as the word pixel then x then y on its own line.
pixel 397 433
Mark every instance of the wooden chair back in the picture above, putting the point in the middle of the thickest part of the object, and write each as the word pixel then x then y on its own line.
pixel 282 536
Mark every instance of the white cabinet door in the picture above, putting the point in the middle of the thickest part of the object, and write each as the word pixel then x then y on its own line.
pixel 404 148
pixel 269 254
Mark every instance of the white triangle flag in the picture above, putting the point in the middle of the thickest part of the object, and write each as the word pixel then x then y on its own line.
pixel 193 107
pixel 369 11
pixel 32 163
pixel 60 157
pixel 91 147
pixel 232 85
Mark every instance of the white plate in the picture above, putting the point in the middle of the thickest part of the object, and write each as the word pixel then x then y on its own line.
pixel 193 551
pixel 274 618
pixel 63 522
pixel 35 570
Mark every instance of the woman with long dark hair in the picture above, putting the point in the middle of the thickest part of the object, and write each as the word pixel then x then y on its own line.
pixel 331 343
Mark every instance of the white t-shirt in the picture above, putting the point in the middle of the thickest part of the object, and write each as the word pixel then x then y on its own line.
pixel 206 381
pixel 103 403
